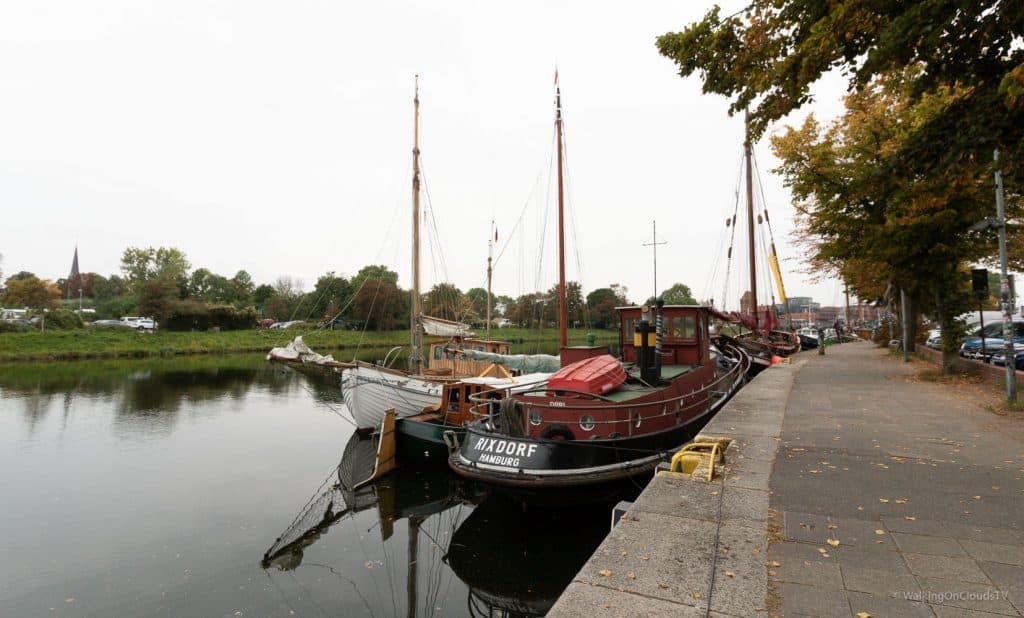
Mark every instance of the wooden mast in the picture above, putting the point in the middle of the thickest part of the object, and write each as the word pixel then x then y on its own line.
pixel 416 344
pixel 490 254
pixel 562 319
pixel 750 221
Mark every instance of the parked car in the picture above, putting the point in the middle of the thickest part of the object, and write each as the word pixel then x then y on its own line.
pixel 107 324
pixel 130 321
pixel 999 358
pixel 145 324
pixel 972 347
pixel 505 323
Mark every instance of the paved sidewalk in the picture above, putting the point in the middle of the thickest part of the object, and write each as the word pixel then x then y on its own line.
pixel 919 490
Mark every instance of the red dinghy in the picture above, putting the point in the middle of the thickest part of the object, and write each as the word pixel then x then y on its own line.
pixel 596 375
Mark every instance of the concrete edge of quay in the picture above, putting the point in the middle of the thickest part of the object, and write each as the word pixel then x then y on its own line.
pixel 688 543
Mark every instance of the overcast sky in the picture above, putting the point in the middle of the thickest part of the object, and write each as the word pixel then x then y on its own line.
pixel 276 138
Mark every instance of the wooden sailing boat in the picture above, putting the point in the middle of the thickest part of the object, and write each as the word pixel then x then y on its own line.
pixel 600 419
pixel 764 341
pixel 369 390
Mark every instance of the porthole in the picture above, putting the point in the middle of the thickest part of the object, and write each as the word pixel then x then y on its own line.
pixel 586 422
pixel 535 417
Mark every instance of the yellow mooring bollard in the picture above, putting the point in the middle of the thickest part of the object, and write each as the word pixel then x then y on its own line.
pixel 704 449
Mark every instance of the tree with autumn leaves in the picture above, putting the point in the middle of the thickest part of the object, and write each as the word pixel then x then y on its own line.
pixel 888 193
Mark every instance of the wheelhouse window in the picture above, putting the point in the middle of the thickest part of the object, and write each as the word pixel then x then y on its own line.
pixel 682 327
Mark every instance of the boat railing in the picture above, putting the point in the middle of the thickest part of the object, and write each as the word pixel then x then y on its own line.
pixel 487 408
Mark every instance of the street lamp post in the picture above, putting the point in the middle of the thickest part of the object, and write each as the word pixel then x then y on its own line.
pixel 1004 288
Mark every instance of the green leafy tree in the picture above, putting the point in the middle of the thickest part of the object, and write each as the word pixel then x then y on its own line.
pixel 167 264
pixel 330 296
pixel 381 305
pixel 243 288
pixel 477 299
pixel 879 220
pixel 767 56
pixel 678 294
pixel 105 289
pixel 27 290
pixel 446 301
pixel 262 294
pixel 156 299
pixel 376 272
pixel 601 304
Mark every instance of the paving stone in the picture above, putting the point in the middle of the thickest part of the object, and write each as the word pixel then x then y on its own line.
pixel 1009 578
pixel 586 601
pixel 879 559
pixel 809 572
pixel 800 600
pixel 945 567
pixel 744 504
pixel 749 480
pixel 789 551
pixel 677 497
pixel 741 577
pixel 917 526
pixel 1002 536
pixel 860 532
pixel 805 527
pixel 924 544
pixel 887 606
pixel 976 597
pixel 679 559
pixel 992 552
pixel 945 611
pixel 879 583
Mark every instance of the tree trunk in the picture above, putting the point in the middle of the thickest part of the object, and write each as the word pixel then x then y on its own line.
pixel 950 337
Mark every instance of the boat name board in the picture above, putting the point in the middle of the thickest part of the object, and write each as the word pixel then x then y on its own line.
pixel 503 452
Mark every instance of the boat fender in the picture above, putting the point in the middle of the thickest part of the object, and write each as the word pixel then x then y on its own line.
pixel 557 432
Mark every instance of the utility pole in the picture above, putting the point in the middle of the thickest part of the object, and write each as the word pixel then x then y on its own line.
pixel 1004 288
pixel 654 246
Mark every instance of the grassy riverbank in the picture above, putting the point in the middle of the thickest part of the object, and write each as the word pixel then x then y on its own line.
pixel 114 343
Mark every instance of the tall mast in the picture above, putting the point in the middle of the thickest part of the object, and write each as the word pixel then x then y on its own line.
pixel 490 254
pixel 562 319
pixel 416 344
pixel 750 221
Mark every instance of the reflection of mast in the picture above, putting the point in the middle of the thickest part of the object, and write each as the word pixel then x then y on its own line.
pixel 414 543
pixel 415 350
pixel 562 319
pixel 750 223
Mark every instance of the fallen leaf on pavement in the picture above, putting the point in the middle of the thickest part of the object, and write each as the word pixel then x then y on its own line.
pixel 863 615
pixel 631 575
pixel 879 531
pixel 775 563
pixel 833 542
pixel 909 518
pixel 730 574
pixel 604 573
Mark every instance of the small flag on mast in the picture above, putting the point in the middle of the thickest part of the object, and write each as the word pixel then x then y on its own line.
pixel 556 75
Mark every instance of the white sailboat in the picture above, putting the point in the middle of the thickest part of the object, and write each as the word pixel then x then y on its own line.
pixel 370 390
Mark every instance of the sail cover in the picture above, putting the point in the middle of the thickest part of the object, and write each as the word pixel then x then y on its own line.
pixel 436 327
pixel 527 363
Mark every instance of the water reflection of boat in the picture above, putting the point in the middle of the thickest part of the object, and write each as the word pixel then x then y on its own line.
pixel 432 503
pixel 517 561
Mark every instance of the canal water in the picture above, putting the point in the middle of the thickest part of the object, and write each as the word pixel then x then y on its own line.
pixel 207 486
